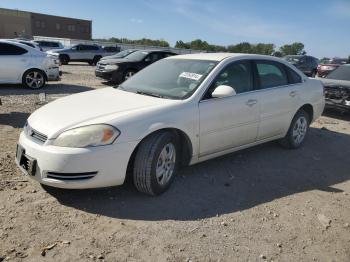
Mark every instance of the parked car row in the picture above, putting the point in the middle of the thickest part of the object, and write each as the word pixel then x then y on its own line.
pixel 329 65
pixel 312 67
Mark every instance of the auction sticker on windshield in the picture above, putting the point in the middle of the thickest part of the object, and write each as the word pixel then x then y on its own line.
pixel 189 75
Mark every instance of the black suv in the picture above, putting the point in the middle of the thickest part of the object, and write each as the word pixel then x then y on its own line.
pixel 306 64
pixel 120 69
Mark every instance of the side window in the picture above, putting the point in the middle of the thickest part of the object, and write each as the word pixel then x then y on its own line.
pixel 8 49
pixel 155 57
pixel 238 75
pixel 271 74
pixel 168 54
pixel 293 77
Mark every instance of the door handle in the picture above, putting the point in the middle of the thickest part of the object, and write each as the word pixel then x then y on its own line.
pixel 251 102
pixel 293 93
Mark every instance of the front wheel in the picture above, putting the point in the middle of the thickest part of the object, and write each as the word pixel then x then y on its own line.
pixel 314 73
pixel 297 131
pixel 33 79
pixel 156 163
pixel 128 74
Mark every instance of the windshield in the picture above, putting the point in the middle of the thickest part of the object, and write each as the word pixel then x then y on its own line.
pixel 122 54
pixel 341 73
pixel 170 78
pixel 294 59
pixel 138 55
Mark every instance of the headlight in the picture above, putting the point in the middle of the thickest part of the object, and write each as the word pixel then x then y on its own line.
pixel 88 136
pixel 111 67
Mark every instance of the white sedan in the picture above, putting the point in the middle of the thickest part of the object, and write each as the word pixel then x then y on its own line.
pixel 22 64
pixel 181 110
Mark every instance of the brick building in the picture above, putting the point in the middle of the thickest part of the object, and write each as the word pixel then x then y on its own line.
pixel 15 23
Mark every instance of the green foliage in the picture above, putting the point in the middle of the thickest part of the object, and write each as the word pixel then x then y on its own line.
pixel 293 49
pixel 198 44
pixel 143 41
pixel 245 47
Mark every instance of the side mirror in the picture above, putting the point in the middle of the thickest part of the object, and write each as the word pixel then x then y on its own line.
pixel 147 59
pixel 223 91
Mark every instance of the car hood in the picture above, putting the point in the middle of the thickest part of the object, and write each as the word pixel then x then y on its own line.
pixel 113 61
pixel 334 82
pixel 90 108
pixel 58 50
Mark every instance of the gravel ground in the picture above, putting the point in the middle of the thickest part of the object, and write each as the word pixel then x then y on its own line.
pixel 261 204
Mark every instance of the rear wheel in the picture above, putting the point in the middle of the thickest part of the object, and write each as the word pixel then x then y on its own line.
pixel 64 59
pixel 95 60
pixel 297 131
pixel 156 163
pixel 33 79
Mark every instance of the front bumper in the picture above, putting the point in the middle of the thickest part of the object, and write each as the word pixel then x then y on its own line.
pixel 107 163
pixel 53 73
pixel 337 106
pixel 113 76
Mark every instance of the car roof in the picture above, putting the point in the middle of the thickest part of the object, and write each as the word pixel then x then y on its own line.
pixel 221 56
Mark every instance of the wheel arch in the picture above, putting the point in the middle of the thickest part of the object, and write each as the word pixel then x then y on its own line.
pixel 186 149
pixel 309 109
pixel 35 68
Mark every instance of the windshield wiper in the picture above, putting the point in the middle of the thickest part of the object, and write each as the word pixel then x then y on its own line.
pixel 149 94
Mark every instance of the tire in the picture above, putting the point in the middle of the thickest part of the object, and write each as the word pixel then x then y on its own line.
pixel 95 60
pixel 297 131
pixel 128 73
pixel 313 74
pixel 34 79
pixel 160 151
pixel 64 59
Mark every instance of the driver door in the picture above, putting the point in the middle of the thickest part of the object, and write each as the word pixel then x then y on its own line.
pixel 232 121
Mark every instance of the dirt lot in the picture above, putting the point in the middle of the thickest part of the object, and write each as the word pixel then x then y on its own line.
pixel 261 204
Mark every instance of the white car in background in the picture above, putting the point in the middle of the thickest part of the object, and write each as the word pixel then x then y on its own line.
pixel 46 45
pixel 178 111
pixel 20 63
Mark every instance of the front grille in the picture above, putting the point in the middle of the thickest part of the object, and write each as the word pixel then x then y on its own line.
pixel 71 176
pixel 34 135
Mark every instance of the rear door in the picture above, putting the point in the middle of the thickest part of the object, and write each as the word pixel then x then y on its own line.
pixel 278 99
pixel 13 62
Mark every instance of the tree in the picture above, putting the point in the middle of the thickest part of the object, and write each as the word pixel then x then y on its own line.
pixel 293 49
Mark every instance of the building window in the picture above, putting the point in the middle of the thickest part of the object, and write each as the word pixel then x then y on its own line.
pixel 71 28
pixel 58 26
pixel 40 24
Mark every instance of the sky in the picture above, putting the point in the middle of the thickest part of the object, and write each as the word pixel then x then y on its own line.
pixel 322 25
